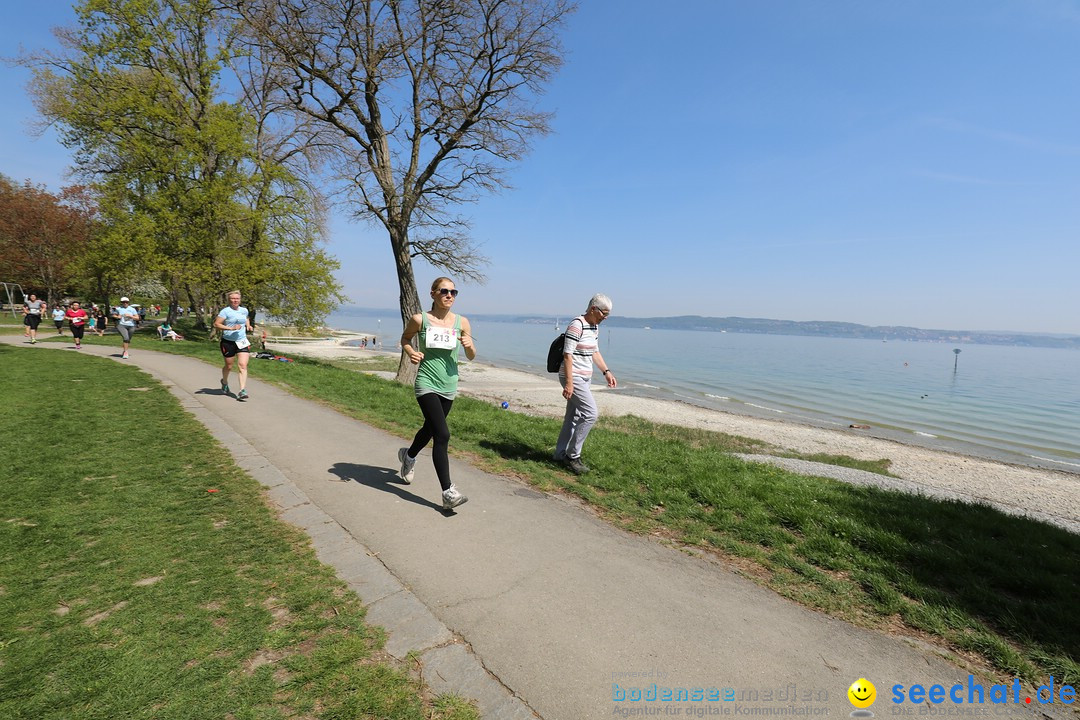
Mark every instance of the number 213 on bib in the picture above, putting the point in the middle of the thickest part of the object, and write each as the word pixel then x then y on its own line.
pixel 441 338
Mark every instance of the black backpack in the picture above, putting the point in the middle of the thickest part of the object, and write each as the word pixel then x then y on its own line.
pixel 555 354
pixel 555 351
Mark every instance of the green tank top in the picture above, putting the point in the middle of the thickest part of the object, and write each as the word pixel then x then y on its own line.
pixel 438 371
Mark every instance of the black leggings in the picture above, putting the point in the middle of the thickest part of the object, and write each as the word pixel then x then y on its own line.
pixel 435 408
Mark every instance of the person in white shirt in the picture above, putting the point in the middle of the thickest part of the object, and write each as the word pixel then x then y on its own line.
pixel 126 317
pixel 581 349
pixel 58 316
pixel 235 324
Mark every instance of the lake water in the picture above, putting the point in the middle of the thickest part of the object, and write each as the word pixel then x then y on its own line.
pixel 1013 403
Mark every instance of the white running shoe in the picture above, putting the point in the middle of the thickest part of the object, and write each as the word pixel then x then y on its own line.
pixel 124 356
pixel 408 465
pixel 451 498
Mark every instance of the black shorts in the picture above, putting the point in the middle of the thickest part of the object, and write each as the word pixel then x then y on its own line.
pixel 229 349
pixel 32 321
pixel 59 324
pixel 77 331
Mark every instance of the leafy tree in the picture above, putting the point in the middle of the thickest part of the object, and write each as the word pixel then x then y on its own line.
pixel 137 94
pixel 42 235
pixel 426 102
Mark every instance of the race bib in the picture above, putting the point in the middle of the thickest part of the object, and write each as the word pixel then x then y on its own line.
pixel 241 344
pixel 441 338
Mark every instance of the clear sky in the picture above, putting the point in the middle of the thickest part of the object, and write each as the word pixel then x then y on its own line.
pixel 884 163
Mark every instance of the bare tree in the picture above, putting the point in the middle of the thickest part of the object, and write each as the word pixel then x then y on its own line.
pixel 429 101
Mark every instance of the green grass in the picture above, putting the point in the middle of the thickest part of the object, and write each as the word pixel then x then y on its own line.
pixel 127 590
pixel 881 467
pixel 372 363
pixel 1001 587
pixel 14 325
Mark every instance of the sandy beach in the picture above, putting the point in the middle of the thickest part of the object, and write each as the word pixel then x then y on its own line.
pixel 1049 495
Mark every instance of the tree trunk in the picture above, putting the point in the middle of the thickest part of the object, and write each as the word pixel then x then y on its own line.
pixel 174 303
pixel 193 304
pixel 104 292
pixel 206 313
pixel 408 299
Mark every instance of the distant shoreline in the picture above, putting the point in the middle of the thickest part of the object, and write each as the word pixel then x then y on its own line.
pixel 797 328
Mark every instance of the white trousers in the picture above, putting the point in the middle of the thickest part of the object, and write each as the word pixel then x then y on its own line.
pixel 581 415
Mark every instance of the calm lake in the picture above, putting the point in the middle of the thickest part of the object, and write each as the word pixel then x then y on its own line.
pixel 1013 403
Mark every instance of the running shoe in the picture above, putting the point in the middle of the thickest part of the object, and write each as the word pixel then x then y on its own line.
pixel 407 465
pixel 452 497
pixel 124 356
pixel 575 466
pixel 224 388
pixel 242 395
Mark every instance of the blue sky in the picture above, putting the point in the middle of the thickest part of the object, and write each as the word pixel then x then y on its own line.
pixel 884 163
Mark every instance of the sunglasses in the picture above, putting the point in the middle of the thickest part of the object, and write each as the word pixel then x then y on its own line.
pixel 447 291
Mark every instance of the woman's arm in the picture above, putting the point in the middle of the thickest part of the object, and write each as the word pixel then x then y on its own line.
pixel 467 339
pixel 411 328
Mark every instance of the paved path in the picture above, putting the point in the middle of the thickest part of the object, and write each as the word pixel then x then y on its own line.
pixel 526 601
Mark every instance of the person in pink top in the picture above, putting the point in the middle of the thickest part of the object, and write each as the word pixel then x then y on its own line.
pixel 77 317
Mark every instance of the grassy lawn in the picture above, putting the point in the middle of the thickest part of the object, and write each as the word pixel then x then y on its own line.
pixel 129 590
pixel 13 325
pixel 999 587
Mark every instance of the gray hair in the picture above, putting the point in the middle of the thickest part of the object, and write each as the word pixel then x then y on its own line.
pixel 600 302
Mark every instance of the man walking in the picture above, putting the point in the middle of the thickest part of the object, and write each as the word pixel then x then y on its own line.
pixel 580 351
pixel 33 309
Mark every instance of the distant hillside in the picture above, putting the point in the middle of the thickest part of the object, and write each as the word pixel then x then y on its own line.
pixel 820 328
pixel 832 329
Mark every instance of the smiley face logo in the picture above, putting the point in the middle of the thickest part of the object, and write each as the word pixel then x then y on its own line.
pixel 862 693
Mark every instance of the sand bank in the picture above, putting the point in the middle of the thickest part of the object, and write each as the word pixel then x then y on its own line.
pixel 1046 494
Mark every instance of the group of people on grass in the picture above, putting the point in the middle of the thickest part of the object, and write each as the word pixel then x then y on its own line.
pixel 128 317
pixel 95 319
pixel 78 318
pixel 439 332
